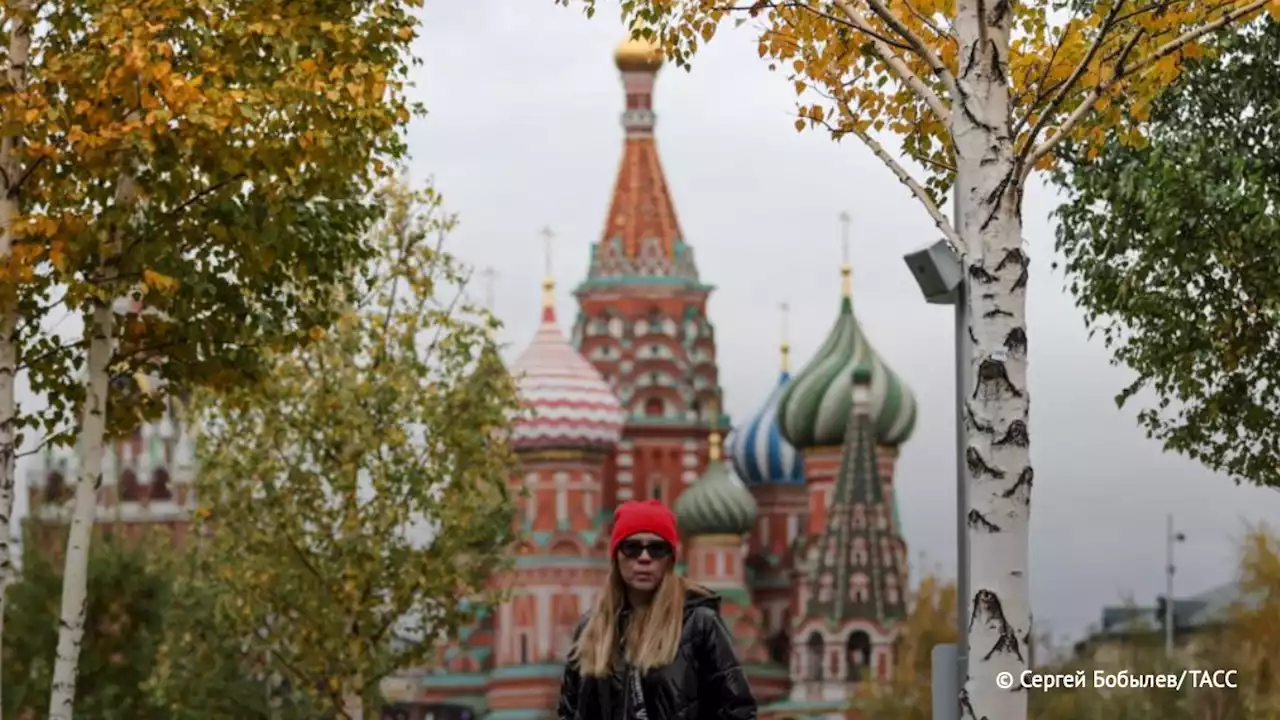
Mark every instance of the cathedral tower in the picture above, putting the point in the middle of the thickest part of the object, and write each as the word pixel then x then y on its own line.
pixel 643 312
pixel 774 472
pixel 564 443
pixel 852 598
pixel 815 408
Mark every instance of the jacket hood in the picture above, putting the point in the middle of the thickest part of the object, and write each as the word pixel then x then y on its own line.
pixel 696 596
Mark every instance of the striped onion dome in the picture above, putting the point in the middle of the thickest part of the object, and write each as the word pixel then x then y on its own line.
pixel 815 406
pixel 570 404
pixel 717 503
pixel 757 450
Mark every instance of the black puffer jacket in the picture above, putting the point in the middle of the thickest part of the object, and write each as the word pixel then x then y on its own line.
pixel 705 682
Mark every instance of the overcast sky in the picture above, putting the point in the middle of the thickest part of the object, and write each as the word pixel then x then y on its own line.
pixel 524 131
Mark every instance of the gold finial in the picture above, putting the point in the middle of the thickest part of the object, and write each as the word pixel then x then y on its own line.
pixel 786 346
pixel 548 282
pixel 713 439
pixel 636 53
pixel 846 270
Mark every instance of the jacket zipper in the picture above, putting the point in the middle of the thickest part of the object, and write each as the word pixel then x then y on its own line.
pixel 626 695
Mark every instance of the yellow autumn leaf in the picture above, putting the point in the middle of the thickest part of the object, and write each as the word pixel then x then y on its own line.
pixel 316 333
pixel 158 282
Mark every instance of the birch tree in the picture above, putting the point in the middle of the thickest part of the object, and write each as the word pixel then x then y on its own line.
pixel 358 496
pixel 980 95
pixel 210 161
pixel 1173 252
pixel 18 19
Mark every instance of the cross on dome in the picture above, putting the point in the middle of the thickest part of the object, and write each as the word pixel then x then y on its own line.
pixel 785 309
pixel 846 269
pixel 548 280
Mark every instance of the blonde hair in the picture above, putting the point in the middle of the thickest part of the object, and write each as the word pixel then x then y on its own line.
pixel 653 633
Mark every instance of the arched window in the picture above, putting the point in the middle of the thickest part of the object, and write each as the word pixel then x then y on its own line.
pixel 814 648
pixel 55 487
pixel 160 485
pixel 859 590
pixel 857 656
pixel 130 490
pixel 653 407
pixel 780 647
pixel 824 588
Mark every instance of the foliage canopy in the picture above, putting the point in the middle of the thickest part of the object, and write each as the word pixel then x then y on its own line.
pixel 360 491
pixel 1173 250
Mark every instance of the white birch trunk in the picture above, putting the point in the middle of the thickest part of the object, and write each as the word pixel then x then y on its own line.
pixel 989 199
pixel 75 575
pixel 11 167
pixel 93 425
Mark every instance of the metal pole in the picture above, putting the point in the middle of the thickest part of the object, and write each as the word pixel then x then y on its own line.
pixel 1169 539
pixel 945 688
pixel 962 480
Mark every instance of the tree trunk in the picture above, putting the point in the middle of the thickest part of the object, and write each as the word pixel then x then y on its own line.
pixel 10 175
pixel 998 454
pixel 93 425
pixel 75 575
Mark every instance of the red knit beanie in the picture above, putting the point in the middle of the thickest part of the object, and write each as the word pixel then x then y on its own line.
pixel 650 516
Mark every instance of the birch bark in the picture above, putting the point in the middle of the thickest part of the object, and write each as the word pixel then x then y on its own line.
pixel 93 434
pixel 998 454
pixel 10 175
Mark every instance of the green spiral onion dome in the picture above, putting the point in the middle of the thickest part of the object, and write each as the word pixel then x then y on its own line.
pixel 718 503
pixel 814 408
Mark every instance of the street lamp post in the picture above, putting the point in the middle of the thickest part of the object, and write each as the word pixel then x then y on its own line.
pixel 939 272
pixel 1171 538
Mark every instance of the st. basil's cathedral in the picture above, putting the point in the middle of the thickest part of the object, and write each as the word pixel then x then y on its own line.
pixel 791 519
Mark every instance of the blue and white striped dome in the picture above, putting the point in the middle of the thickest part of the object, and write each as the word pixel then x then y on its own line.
pixel 758 451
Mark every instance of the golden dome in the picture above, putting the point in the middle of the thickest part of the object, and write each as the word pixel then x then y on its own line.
pixel 637 55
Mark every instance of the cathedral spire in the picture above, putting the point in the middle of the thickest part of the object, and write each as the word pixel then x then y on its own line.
pixel 846 269
pixel 859 560
pixel 548 278
pixel 638 59
pixel 642 242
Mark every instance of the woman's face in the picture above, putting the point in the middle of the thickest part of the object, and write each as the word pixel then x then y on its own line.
pixel 643 560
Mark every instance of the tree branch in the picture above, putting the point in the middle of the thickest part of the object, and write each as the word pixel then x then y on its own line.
pixel 1123 71
pixel 899 68
pixel 1104 33
pixel 917 43
pixel 16 188
pixel 939 218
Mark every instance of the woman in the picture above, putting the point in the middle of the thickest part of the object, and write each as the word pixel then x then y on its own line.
pixel 654 647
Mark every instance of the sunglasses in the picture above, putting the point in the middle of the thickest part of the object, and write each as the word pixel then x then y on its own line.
pixel 633 549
